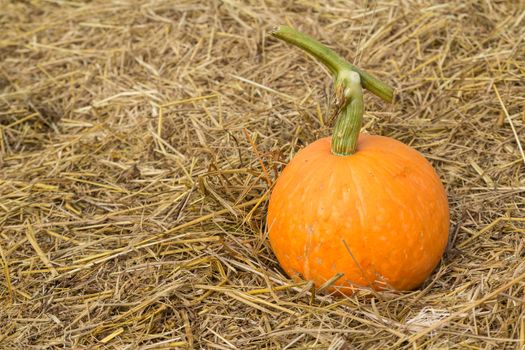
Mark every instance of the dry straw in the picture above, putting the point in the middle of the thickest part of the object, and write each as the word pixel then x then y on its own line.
pixel 139 142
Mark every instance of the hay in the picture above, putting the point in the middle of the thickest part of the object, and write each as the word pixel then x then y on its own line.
pixel 132 188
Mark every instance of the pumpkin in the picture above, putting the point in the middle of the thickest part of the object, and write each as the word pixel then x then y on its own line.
pixel 356 210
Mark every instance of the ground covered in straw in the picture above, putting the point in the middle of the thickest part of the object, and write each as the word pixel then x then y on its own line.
pixel 132 191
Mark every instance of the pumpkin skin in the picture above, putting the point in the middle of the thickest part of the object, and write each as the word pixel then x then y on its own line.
pixel 379 216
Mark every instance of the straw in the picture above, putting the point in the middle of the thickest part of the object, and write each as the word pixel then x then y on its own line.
pixel 140 140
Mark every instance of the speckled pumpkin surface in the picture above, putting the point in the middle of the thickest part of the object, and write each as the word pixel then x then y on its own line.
pixel 379 216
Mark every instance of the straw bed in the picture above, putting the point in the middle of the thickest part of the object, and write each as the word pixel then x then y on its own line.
pixel 139 142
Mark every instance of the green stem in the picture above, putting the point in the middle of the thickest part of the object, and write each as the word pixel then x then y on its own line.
pixel 348 81
pixel 350 118
pixel 332 60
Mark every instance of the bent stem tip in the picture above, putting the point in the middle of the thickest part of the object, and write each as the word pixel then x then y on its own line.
pixel 332 60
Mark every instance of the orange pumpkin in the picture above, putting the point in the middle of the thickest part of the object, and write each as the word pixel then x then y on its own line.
pixel 367 209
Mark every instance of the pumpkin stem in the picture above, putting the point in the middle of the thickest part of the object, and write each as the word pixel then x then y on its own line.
pixel 350 116
pixel 348 82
